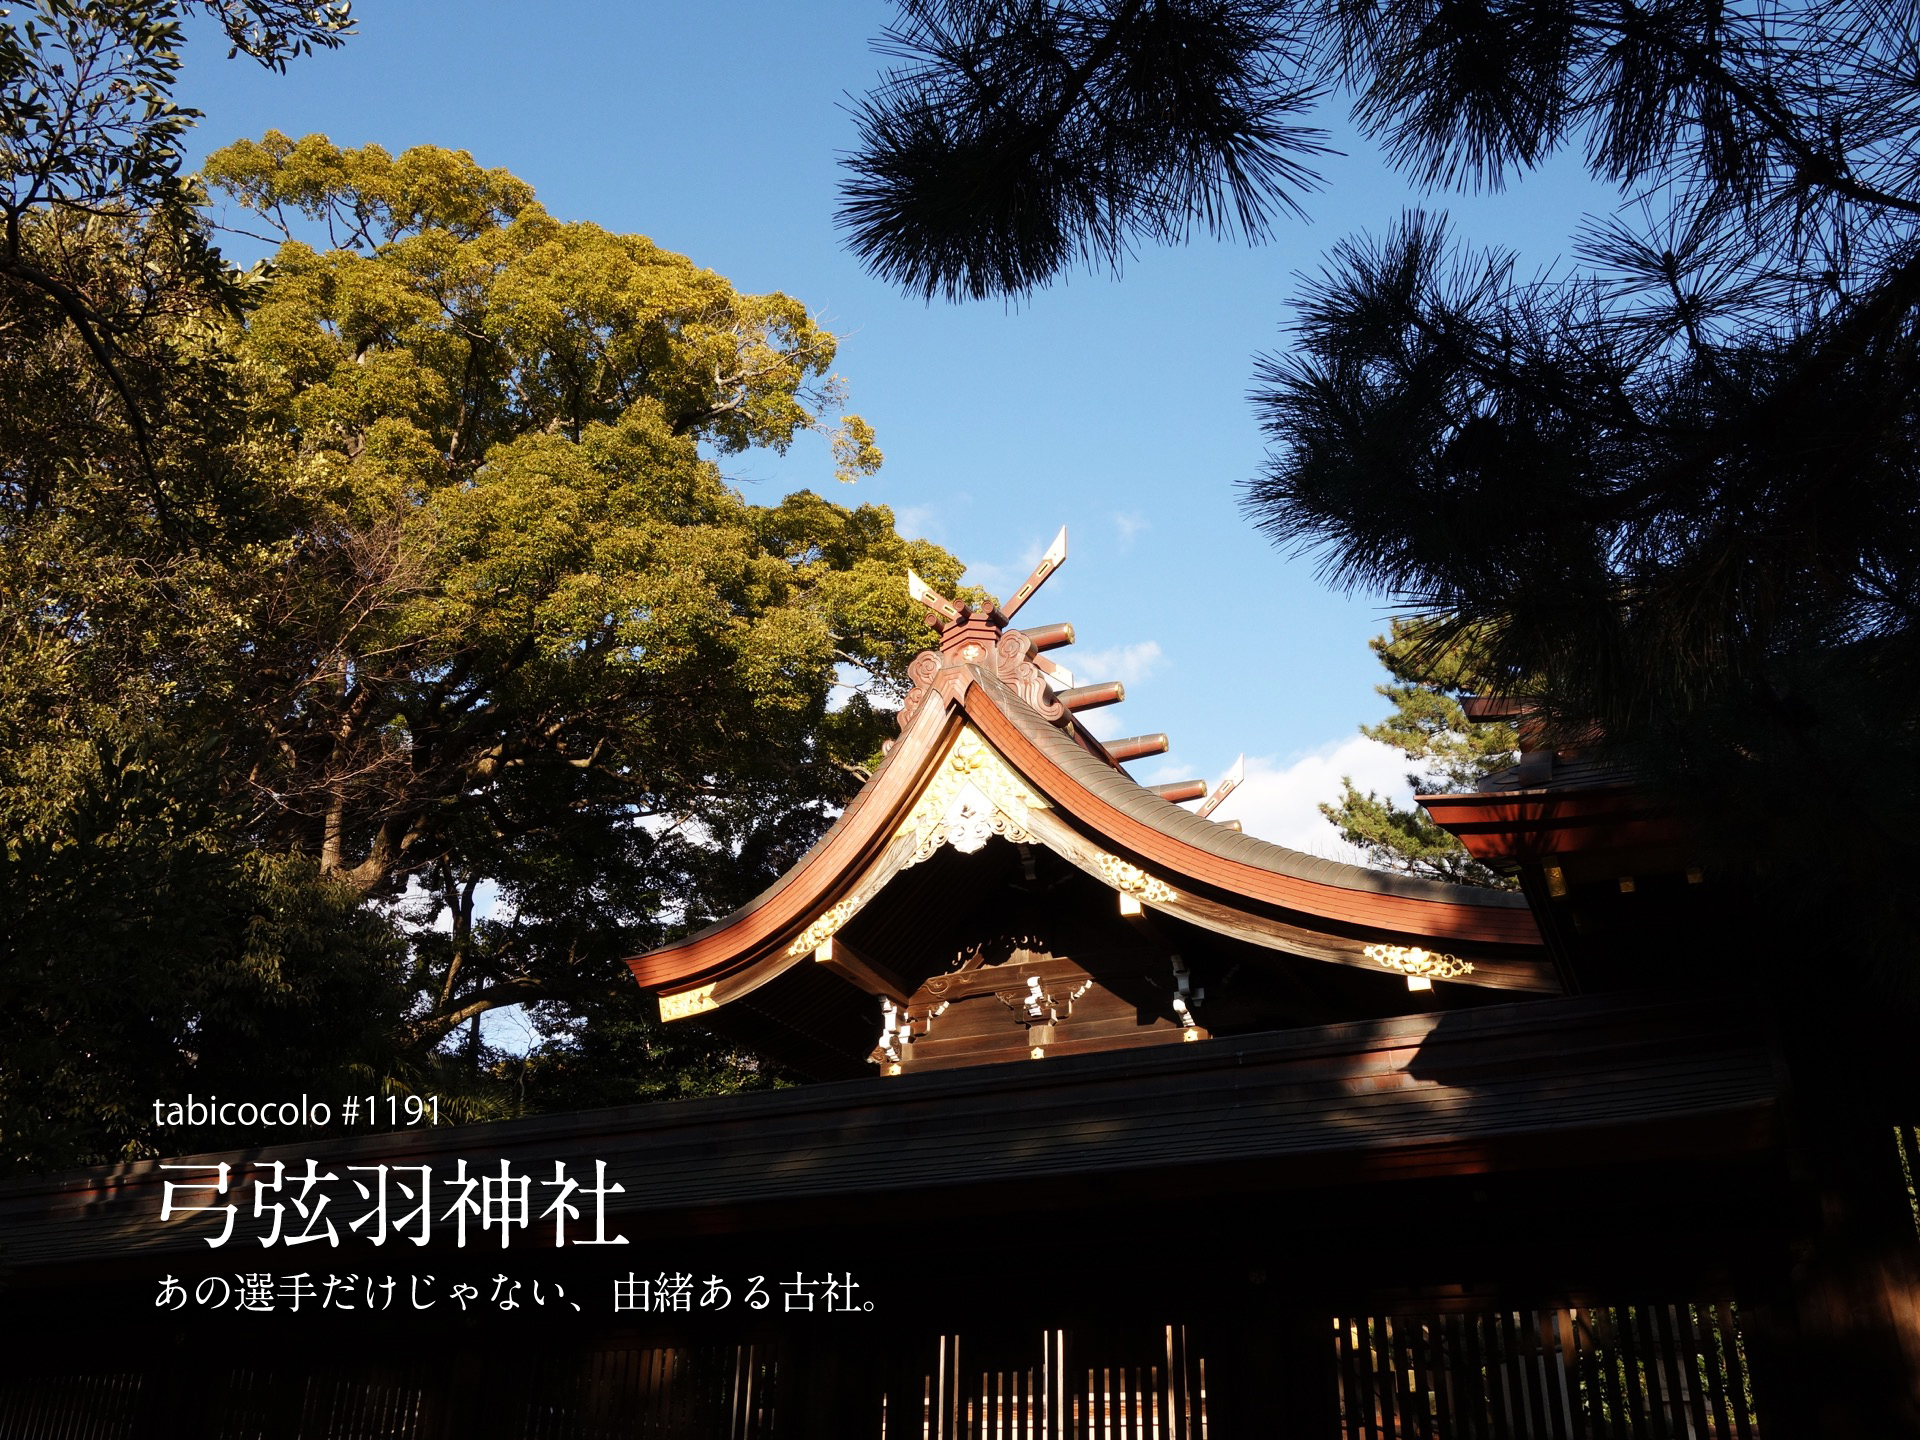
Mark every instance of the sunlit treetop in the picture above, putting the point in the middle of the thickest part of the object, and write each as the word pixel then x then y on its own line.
pixel 507 320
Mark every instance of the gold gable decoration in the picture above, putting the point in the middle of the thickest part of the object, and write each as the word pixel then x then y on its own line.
pixel 972 796
pixel 1130 879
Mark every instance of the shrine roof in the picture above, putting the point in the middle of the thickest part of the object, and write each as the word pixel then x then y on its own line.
pixel 1098 782
pixel 1111 818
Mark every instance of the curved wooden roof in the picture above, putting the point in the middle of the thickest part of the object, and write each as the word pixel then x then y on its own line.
pixel 983 708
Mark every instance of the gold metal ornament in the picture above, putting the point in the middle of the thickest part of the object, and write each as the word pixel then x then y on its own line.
pixel 1415 963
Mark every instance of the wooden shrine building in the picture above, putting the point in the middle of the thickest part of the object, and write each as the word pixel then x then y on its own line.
pixel 1003 890
pixel 1125 1123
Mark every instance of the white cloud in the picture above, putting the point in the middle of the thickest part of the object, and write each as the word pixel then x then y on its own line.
pixel 916 521
pixel 1003 579
pixel 1129 664
pixel 1280 799
pixel 1162 771
pixel 1000 580
pixel 1130 523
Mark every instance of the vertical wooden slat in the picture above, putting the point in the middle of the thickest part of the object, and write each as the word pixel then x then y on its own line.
pixel 1703 1372
pixel 1686 1352
pixel 1629 1322
pixel 1613 1374
pixel 1671 1412
pixel 1529 1374
pixel 1342 1384
pixel 1521 1365
pixel 1465 1389
pixel 1439 1361
pixel 1366 1392
pixel 1586 1350
pixel 949 1386
pixel 1455 1414
pixel 1188 1422
pixel 1360 1372
pixel 1412 1333
pixel 1686 1379
pixel 645 1392
pixel 1621 1387
pixel 1500 1377
pixel 1486 1351
pixel 1379 1406
pixel 1417 1415
pixel 1463 1382
pixel 1479 1367
pixel 1175 1368
pixel 1163 1395
pixel 1707 1342
pixel 1385 1379
pixel 1675 1392
pixel 1653 1401
pixel 1554 1401
pixel 1557 1336
pixel 1353 1394
pixel 1738 1385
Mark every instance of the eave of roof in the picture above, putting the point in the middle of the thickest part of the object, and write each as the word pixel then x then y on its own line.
pixel 1105 803
pixel 1176 841
pixel 786 906
pixel 1518 825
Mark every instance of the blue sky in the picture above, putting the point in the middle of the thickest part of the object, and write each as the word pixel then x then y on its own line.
pixel 1115 407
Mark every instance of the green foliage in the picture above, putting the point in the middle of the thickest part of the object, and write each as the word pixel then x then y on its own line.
pixel 89 132
pixel 1429 727
pixel 419 586
pixel 524 633
pixel 625 1056
pixel 1017 139
pixel 1669 491
pixel 144 954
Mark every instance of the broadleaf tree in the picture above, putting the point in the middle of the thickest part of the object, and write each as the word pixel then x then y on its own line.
pixel 433 591
pixel 90 132
pixel 524 613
